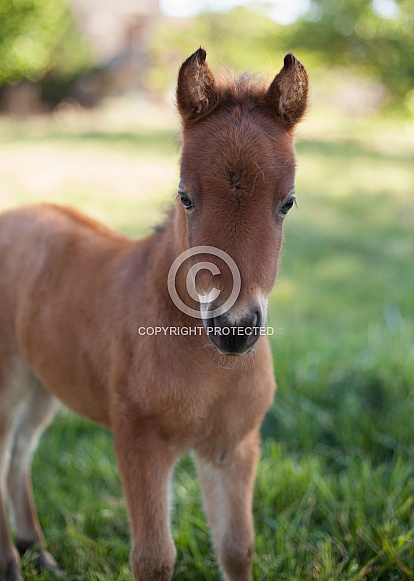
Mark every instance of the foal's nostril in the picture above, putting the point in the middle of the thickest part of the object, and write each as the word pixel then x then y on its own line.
pixel 254 330
pixel 234 338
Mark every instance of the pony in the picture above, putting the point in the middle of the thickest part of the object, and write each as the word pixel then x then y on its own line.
pixel 77 302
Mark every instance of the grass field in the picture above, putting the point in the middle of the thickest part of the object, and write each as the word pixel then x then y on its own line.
pixel 334 498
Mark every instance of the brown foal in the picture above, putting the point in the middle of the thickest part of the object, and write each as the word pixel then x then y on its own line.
pixel 76 301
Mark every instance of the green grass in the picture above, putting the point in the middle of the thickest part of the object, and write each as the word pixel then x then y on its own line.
pixel 334 498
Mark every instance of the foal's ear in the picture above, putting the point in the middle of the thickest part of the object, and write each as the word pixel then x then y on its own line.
pixel 287 96
pixel 196 88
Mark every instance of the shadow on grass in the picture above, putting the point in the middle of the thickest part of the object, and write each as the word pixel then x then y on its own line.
pixel 347 148
pixel 159 141
pixel 169 141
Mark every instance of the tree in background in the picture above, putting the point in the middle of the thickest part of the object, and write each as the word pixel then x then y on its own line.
pixel 372 36
pixel 241 39
pixel 39 40
pixel 36 37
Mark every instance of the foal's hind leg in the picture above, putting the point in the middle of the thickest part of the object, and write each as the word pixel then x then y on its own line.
pixel 35 413
pixel 10 396
pixel 9 559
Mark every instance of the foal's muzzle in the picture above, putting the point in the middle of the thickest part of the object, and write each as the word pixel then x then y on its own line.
pixel 231 337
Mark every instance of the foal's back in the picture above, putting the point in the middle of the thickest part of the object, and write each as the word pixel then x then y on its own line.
pixel 55 269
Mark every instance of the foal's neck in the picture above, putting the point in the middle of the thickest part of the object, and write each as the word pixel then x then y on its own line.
pixel 162 248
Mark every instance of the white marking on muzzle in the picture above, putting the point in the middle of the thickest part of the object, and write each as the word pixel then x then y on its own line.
pixel 234 316
pixel 205 301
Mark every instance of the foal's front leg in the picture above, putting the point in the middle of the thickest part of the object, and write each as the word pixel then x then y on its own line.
pixel 145 463
pixel 227 485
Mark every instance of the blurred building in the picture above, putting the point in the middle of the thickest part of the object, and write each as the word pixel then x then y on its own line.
pixel 115 26
pixel 118 32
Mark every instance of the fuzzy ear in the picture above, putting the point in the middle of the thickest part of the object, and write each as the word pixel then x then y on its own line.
pixel 287 96
pixel 196 88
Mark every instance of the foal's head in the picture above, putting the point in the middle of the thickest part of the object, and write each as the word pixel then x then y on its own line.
pixel 236 188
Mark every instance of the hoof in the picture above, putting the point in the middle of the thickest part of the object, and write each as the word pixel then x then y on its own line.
pixel 43 560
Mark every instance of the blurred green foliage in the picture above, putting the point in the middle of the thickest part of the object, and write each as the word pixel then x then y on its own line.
pixel 374 38
pixel 355 34
pixel 36 37
pixel 350 33
pixel 242 39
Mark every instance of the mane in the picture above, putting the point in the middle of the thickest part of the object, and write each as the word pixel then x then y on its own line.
pixel 237 89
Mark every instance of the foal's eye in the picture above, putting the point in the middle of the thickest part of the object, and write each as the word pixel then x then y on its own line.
pixel 288 205
pixel 185 199
pixel 186 202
